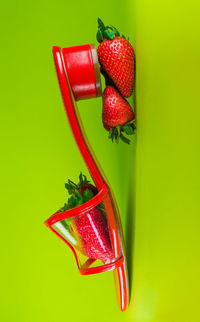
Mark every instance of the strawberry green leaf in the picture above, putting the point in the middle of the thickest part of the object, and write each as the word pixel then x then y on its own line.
pixel 72 202
pixel 72 183
pixel 116 31
pixel 69 188
pixel 79 198
pixel 82 181
pixel 111 134
pixel 101 24
pixel 110 34
pixel 116 137
pixel 99 36
pixel 64 208
pixel 106 32
pixel 116 133
pixel 128 129
pixel 118 129
pixel 124 139
pixel 87 195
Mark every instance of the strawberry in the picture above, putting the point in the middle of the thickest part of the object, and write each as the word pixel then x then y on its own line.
pixel 91 228
pixel 117 115
pixel 116 56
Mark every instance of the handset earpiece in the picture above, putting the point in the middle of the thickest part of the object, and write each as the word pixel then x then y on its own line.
pixel 82 67
pixel 79 78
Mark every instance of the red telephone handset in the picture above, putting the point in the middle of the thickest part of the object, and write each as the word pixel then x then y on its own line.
pixel 79 78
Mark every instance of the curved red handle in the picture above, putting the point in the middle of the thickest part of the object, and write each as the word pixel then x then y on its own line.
pixel 120 269
pixel 74 119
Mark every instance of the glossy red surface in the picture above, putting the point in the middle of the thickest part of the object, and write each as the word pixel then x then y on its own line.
pixel 72 117
pixel 80 70
pixel 119 265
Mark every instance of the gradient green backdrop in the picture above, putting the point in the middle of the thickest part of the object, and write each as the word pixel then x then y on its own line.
pixel 155 180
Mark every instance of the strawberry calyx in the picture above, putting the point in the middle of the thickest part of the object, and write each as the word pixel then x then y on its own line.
pixel 71 186
pixel 117 133
pixel 106 32
pixel 79 193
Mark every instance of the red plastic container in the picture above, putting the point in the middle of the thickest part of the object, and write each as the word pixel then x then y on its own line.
pixel 79 78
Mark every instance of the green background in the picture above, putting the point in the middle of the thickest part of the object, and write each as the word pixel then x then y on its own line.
pixel 155 180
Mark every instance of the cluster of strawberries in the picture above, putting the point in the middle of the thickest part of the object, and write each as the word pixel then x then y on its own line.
pixel 116 56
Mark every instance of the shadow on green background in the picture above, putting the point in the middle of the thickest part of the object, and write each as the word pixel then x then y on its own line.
pixel 155 180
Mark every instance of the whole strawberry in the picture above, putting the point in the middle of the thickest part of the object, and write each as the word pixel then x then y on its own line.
pixel 117 115
pixel 116 56
pixel 89 229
